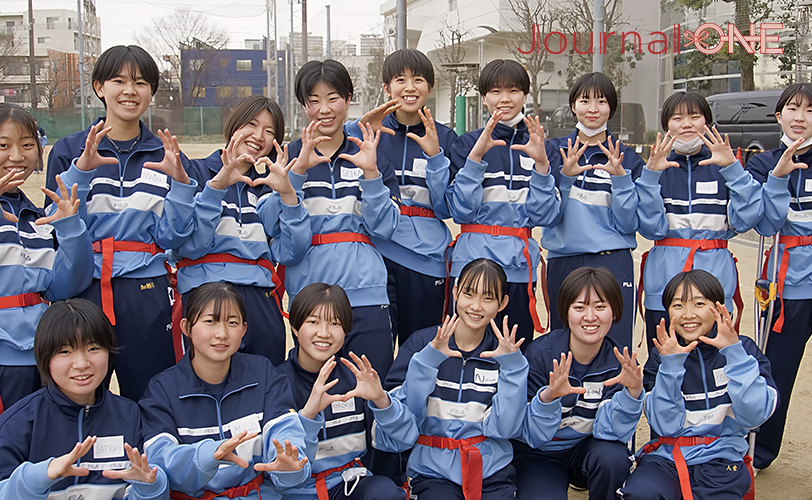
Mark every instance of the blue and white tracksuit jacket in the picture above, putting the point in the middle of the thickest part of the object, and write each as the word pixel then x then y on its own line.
pixel 694 202
pixel 184 425
pixel 460 398
pixel 503 190
pixel 788 208
pixel 709 392
pixel 419 243
pixel 54 259
pixel 46 425
pixel 128 202
pixel 598 210
pixel 340 200
pixel 607 413
pixel 345 431
pixel 239 221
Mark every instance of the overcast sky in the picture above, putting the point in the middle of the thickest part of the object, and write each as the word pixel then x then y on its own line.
pixel 243 19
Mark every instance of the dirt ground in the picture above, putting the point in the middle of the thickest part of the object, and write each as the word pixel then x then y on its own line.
pixel 790 476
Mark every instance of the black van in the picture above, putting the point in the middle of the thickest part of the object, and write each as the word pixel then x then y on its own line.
pixel 628 123
pixel 748 118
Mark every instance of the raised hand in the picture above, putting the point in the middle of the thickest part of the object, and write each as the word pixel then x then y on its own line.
pixel 367 156
pixel 615 164
pixel 485 141
pixel 721 154
pixel 139 470
pixel 429 142
pixel 319 399
pixel 570 158
pixel 90 158
pixel 375 117
pixel 277 177
pixel 535 145
pixel 725 332
pixel 229 173
pixel 8 182
pixel 667 341
pixel 444 333
pixel 225 452
pixel 66 205
pixel 786 163
pixel 287 459
pixel 171 164
pixel 559 385
pixel 63 466
pixel 367 382
pixel 631 374
pixel 506 337
pixel 308 158
pixel 658 159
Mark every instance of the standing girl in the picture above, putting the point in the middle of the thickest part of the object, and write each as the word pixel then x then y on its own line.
pixel 74 347
pixel 43 258
pixel 235 216
pixel 694 208
pixel 215 421
pixel 137 201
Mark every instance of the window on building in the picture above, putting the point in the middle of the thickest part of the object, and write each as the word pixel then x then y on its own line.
pixel 72 24
pixel 199 92
pixel 52 23
pixel 197 64
pixel 243 64
pixel 9 27
pixel 43 39
pixel 223 92
pixel 244 91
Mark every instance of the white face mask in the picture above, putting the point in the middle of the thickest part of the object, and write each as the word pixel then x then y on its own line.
pixel 590 132
pixel 688 147
pixel 789 142
pixel 513 121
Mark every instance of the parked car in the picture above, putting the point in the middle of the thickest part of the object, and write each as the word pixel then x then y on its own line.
pixel 628 123
pixel 748 118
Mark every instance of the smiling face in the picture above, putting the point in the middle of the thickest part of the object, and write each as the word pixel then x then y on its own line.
pixel 476 306
pixel 320 336
pixel 257 136
pixel 214 337
pixel 325 104
pixel 796 118
pixel 508 100
pixel 126 96
pixel 589 319
pixel 591 109
pixel 410 90
pixel 19 151
pixel 79 371
pixel 686 125
pixel 693 315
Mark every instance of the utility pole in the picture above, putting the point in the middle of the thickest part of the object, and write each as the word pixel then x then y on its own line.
pixel 329 54
pixel 82 95
pixel 275 56
pixel 400 41
pixel 268 48
pixel 597 32
pixel 31 63
pixel 304 31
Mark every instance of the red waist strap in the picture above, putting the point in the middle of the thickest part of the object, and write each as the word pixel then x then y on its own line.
pixel 22 300
pixel 321 485
pixel 694 245
pixel 470 460
pixel 679 460
pixel 235 492
pixel 324 239
pixel 788 242
pixel 416 211
pixel 107 247
pixel 225 258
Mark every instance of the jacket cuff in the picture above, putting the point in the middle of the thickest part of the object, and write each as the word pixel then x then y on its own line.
pixel 732 171
pixel 650 177
pixel 297 180
pixel 36 477
pixel 292 212
pixel 674 362
pixel 734 353
pixel 477 168
pixel 181 191
pixel 372 186
pixel 154 489
pixel 384 415
pixel 437 162
pixel 623 181
pixel 777 183
pixel 213 193
pixel 311 426
pixel 511 361
pixel 75 176
pixel 630 403
pixel 205 455
pixel 538 407
pixel 565 182
pixel 431 356
pixel 69 226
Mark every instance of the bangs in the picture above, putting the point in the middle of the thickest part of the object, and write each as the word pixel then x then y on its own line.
pixel 483 276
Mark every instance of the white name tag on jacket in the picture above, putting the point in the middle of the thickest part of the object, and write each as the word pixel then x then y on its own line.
pixel 252 199
pixel 719 377
pixel 527 163
pixel 248 423
pixel 343 406
pixel 419 167
pixel 108 447
pixel 594 390
pixel 351 173
pixel 711 187
pixel 808 185
pixel 42 230
pixel 153 177
pixel 486 376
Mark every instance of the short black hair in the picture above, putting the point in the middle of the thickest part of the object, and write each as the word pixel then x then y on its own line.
pixel 331 299
pixel 220 295
pixel 247 110
pixel 505 73
pixel 705 282
pixel 399 61
pixel 329 71
pixel 689 102
pixel 584 279
pixel 72 322
pixel 794 93
pixel 598 84
pixel 126 58
pixel 493 277
pixel 26 124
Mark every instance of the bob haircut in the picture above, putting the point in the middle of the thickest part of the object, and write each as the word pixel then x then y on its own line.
pixel 490 273
pixel 72 322
pixel 220 295
pixel 25 123
pixel 330 300
pixel 330 72
pixel 594 83
pixel 400 61
pixel 705 282
pixel 795 94
pixel 247 110
pixel 585 279
pixel 120 58
pixel 685 102
pixel 505 73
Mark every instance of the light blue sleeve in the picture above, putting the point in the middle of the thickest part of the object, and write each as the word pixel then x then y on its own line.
pixel 381 213
pixel 73 266
pixel 28 481
pixel 544 204
pixel 623 207
pixel 208 209
pixel 82 180
pixel 438 173
pixel 177 221
pixel 746 207
pixel 395 427
pixel 665 408
pixel 776 197
pixel 504 421
pixel 616 420
pixel 421 378
pixel 652 221
pixel 464 194
pixel 159 490
pixel 541 421
pixel 312 429
pixel 288 226
pixel 565 184
pixel 188 467
pixel 753 400
pixel 287 426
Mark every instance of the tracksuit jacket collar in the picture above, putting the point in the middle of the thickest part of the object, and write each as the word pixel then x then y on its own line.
pixel 189 384
pixel 703 154
pixel 66 405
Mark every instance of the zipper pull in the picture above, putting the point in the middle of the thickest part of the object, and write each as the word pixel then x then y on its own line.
pixel 87 409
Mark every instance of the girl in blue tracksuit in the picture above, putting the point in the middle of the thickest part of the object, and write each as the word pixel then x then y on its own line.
pixel 346 416
pixel 466 383
pixel 585 397
pixel 137 202
pixel 216 420
pixel 39 454
pixel 44 258
pixel 597 222
pixel 350 195
pixel 707 388
pixel 786 183
pixel 502 190
pixel 694 208
pixel 235 216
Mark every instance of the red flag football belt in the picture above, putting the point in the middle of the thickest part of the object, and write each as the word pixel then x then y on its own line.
pixel 470 460
pixel 788 242
pixel 324 239
pixel 235 492
pixel 22 300
pixel 416 211
pixel 321 484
